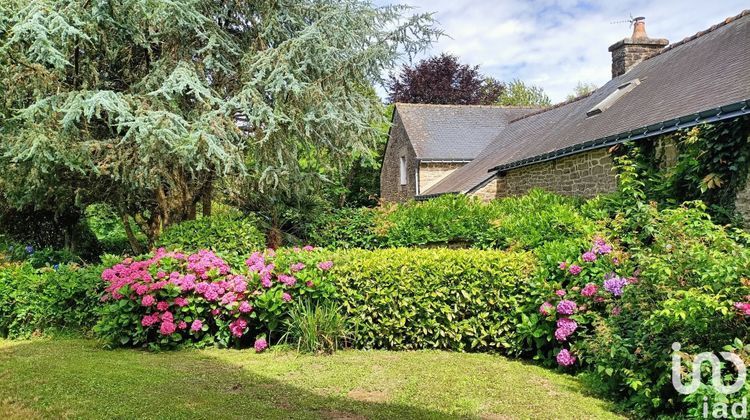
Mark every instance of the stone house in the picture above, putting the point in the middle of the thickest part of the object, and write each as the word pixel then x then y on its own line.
pixel 656 88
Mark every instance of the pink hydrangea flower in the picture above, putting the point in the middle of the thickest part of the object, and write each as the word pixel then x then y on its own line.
pixel 149 320
pixel 546 308
pixel 561 292
pixel 260 345
pixel 148 300
pixel 237 327
pixel 589 290
pixel 167 328
pixel 141 289
pixel 743 307
pixel 245 307
pixel 564 358
pixel 196 325
pixel 215 312
pixel 296 267
pixel 309 283
pixel 589 256
pixel 286 297
pixel 287 280
pixel 566 307
pixel 308 248
pixel 162 306
pixel 180 301
pixel 182 325
pixel 563 266
pixel 325 265
pixel 575 269
pixel 167 316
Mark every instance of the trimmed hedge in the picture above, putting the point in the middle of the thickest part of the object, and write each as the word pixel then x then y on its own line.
pixel 224 234
pixel 435 299
pixel 43 301
pixel 524 222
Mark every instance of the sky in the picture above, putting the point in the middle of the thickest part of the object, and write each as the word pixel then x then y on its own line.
pixel 556 44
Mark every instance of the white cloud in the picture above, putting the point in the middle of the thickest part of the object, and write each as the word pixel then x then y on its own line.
pixel 556 44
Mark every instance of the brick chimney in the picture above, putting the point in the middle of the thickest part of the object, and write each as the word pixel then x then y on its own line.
pixel 631 51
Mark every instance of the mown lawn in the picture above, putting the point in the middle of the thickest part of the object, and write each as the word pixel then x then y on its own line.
pixel 79 379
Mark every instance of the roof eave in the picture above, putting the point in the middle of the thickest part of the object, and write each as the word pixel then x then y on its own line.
pixel 721 113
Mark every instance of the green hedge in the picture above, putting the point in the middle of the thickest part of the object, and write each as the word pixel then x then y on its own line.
pixel 225 234
pixel 42 301
pixel 524 222
pixel 434 299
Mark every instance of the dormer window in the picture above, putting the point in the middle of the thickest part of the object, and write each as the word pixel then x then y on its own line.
pixel 613 97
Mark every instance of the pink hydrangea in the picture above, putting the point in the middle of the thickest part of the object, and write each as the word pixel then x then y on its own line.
pixel 245 307
pixel 141 289
pixel 296 267
pixel 601 246
pixel 182 325
pixel 260 345
pixel 589 290
pixel 564 358
pixel 149 320
pixel 287 280
pixel 237 327
pixel 148 300
pixel 167 328
pixel 196 325
pixel 561 292
pixel 546 308
pixel 565 327
pixel 162 306
pixel 308 248
pixel 309 283
pixel 180 301
pixel 563 266
pixel 575 269
pixel 325 265
pixel 286 297
pixel 743 307
pixel 589 256
pixel 566 307
pixel 167 316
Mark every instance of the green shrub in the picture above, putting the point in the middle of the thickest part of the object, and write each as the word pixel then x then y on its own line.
pixel 41 301
pixel 110 230
pixel 434 299
pixel 225 234
pixel 345 228
pixel 316 327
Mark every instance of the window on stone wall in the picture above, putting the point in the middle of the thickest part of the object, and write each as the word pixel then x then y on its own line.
pixel 402 169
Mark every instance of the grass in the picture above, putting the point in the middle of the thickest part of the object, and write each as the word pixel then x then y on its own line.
pixel 78 379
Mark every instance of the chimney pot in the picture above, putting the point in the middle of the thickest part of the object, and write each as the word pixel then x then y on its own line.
pixel 628 52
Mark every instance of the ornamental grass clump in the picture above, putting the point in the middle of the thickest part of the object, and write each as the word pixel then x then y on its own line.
pixel 172 298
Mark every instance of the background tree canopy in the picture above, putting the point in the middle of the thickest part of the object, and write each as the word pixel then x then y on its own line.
pixel 145 104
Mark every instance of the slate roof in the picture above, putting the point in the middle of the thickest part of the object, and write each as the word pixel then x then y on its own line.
pixel 454 132
pixel 702 78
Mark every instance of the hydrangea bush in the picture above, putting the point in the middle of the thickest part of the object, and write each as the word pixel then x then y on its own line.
pixel 171 298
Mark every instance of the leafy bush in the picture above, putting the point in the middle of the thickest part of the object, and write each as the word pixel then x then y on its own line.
pixel 172 299
pixel 316 327
pixel 110 230
pixel 436 299
pixel 692 288
pixel 345 228
pixel 226 234
pixel 48 301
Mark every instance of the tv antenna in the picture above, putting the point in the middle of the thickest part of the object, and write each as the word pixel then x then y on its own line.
pixel 630 21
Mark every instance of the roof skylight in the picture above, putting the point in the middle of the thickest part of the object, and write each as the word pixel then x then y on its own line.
pixel 613 97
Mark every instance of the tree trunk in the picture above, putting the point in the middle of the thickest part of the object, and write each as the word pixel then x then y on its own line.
pixel 208 195
pixel 134 244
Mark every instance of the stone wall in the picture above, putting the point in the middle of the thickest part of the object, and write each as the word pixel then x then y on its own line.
pixel 391 189
pixel 488 191
pixel 432 172
pixel 585 175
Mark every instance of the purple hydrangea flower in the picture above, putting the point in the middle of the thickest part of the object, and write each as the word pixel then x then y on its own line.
pixel 614 284
pixel 575 270
pixel 566 307
pixel 260 345
pixel 565 327
pixel 589 256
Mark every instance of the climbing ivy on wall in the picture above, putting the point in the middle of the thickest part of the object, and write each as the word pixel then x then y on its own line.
pixel 708 162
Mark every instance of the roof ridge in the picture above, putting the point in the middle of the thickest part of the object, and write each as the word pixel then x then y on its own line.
pixel 699 34
pixel 467 105
pixel 551 107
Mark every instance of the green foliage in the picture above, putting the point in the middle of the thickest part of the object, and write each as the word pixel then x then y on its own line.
pixel 316 327
pixel 518 93
pixel 226 234
pixel 434 299
pixel 110 231
pixel 710 163
pixel 48 301
pixel 692 273
pixel 345 228
pixel 581 89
